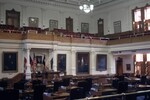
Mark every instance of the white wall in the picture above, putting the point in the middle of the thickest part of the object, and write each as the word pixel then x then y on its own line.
pixel 44 14
pixel 128 59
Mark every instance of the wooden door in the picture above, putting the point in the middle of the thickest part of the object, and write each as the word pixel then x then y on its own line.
pixel 119 66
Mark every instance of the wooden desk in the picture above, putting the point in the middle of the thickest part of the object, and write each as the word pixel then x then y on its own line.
pixel 108 91
pixel 55 96
pixel 143 87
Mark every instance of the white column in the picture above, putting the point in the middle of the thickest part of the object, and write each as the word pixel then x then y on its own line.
pixel 51 55
pixel 28 70
pixel 92 63
pixel 73 62
pixel 111 68
pixel 54 60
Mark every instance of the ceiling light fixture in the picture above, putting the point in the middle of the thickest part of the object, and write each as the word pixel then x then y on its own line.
pixel 87 7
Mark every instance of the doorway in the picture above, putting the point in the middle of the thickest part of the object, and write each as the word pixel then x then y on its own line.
pixel 119 66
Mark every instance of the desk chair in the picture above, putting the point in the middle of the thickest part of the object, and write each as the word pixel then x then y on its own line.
pixel 115 83
pixel 85 86
pixel 89 81
pixel 36 82
pixel 143 80
pixel 57 85
pixel 122 86
pixel 77 93
pixel 38 92
pixel 9 94
pixel 66 81
pixel 4 83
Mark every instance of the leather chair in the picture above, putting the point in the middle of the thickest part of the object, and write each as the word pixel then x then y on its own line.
pixel 66 81
pixel 57 85
pixel 122 87
pixel 10 94
pixel 38 92
pixel 77 93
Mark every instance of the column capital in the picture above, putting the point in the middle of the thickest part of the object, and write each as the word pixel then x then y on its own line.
pixel 92 51
pixel 73 51
pixel 50 50
pixel 26 49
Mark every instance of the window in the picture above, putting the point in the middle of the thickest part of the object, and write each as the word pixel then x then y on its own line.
pixel 147 13
pixel 53 24
pixel 137 15
pixel 85 27
pixel 141 19
pixel 147 18
pixel 117 26
pixel 138 20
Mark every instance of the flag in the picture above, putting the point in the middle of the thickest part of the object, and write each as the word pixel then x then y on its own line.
pixel 44 62
pixel 51 61
pixel 34 63
pixel 31 62
pixel 25 65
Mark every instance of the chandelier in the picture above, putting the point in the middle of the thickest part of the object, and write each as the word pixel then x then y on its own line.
pixel 86 7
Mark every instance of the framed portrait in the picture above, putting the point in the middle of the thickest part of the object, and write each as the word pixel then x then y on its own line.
pixel 13 18
pixel 39 60
pixel 128 67
pixel 33 22
pixel 69 24
pixel 82 62
pixel 101 62
pixel 117 26
pixel 53 24
pixel 10 62
pixel 85 27
pixel 61 62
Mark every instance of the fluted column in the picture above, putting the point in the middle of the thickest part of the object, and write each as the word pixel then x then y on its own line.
pixel 54 59
pixel 28 66
pixel 51 55
pixel 73 62
pixel 111 68
pixel 92 62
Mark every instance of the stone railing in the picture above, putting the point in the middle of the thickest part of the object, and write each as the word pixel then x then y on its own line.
pixel 143 38
pixel 49 37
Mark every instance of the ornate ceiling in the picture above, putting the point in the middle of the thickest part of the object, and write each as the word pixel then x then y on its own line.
pixel 67 3
pixel 78 2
